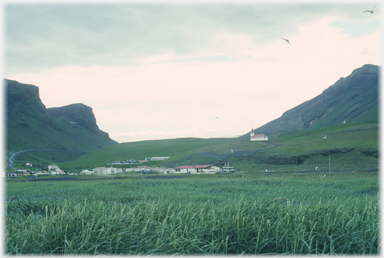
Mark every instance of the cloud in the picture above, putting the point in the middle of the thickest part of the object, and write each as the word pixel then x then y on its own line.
pixel 44 36
pixel 168 71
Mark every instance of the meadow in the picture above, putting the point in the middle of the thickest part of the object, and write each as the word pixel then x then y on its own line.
pixel 237 213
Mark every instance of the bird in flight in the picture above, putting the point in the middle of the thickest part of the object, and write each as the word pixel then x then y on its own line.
pixel 370 11
pixel 286 40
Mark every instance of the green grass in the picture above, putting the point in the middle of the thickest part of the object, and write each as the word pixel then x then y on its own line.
pixel 217 151
pixel 209 214
pixel 142 149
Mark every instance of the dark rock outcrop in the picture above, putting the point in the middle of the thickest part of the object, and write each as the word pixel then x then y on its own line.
pixel 30 125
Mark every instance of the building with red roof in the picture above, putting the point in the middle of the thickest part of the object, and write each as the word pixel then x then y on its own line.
pixel 258 137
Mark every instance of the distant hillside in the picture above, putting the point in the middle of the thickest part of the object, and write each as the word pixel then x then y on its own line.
pixel 351 146
pixel 30 125
pixel 354 98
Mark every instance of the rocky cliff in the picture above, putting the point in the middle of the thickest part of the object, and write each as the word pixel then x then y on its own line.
pixel 30 125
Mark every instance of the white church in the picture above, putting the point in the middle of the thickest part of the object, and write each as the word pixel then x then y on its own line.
pixel 258 137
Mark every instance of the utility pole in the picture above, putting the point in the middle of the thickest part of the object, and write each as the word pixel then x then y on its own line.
pixel 329 164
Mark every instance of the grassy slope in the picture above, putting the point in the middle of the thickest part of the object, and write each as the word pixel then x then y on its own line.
pixel 142 149
pixel 359 136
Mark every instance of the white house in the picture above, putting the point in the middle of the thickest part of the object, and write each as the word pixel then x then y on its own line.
pixel 28 165
pixel 57 172
pixel 132 169
pixel 106 171
pixel 195 169
pixel 156 158
pixel 53 167
pixel 86 172
pixel 258 137
pixel 166 170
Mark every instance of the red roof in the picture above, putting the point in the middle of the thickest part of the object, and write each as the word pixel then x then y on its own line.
pixel 258 136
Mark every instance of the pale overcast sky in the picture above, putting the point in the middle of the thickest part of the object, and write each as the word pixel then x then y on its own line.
pixel 163 70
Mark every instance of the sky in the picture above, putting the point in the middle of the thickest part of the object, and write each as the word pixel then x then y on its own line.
pixel 161 70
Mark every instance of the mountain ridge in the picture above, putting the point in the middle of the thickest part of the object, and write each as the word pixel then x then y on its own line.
pixel 30 125
pixel 353 98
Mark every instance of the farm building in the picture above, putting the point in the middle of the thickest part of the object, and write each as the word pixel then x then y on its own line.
pixel 57 172
pixel 156 158
pixel 132 169
pixel 41 173
pixel 194 169
pixel 227 168
pixel 258 137
pixel 14 174
pixel 165 170
pixel 148 170
pixel 53 167
pixel 86 172
pixel 106 170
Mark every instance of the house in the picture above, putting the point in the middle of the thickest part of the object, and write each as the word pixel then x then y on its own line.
pixel 106 171
pixel 41 173
pixel 86 172
pixel 53 167
pixel 195 169
pixel 57 172
pixel 227 168
pixel 156 158
pixel 14 174
pixel 165 170
pixel 258 137
pixel 132 169
pixel 28 165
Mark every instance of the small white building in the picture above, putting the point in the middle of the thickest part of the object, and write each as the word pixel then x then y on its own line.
pixel 57 172
pixel 164 170
pixel 86 172
pixel 258 137
pixel 196 169
pixel 132 169
pixel 156 158
pixel 53 167
pixel 28 165
pixel 107 170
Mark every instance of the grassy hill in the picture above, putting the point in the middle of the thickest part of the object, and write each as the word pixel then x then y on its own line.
pixel 354 98
pixel 351 146
pixel 142 149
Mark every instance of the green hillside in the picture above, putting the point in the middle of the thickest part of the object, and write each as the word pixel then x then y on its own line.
pixel 353 98
pixel 60 134
pixel 351 146
pixel 142 149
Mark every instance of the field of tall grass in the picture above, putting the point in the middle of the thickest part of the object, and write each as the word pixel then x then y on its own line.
pixel 213 214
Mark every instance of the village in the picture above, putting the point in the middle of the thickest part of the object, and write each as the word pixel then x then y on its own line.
pixel 109 170
pixel 54 170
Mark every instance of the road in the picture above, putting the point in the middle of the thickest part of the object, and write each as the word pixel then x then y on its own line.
pixel 13 156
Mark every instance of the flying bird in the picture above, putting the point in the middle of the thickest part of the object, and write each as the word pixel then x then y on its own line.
pixel 286 40
pixel 370 11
